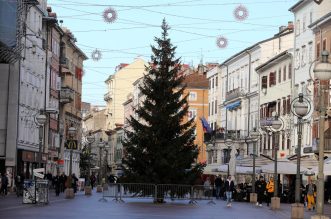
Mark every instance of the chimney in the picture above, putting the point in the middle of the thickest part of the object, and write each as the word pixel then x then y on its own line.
pixel 282 28
pixel 290 25
pixel 49 9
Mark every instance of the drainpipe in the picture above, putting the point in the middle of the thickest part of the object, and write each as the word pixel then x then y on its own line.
pixel 249 100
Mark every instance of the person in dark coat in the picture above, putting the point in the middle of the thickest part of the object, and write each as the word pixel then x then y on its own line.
pixel 63 179
pixel 218 185
pixel 4 184
pixel 56 181
pixel 74 182
pixel 260 188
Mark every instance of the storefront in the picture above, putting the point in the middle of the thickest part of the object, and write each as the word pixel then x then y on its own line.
pixel 27 161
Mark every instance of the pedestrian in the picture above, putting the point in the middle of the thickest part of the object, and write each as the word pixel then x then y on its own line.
pixel 218 185
pixel 19 179
pixel 260 187
pixel 56 181
pixel 74 181
pixel 4 184
pixel 270 190
pixel 229 188
pixel 63 179
pixel 207 187
pixel 311 194
pixel 92 180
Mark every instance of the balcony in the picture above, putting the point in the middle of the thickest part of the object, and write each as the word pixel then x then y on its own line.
pixel 64 62
pixel 67 95
pixel 233 94
pixel 108 96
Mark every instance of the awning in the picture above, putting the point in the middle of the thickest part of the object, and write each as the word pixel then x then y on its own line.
pixel 234 105
pixel 239 169
pixel 327 168
pixel 284 166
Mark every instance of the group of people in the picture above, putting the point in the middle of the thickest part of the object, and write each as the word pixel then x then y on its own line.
pixel 265 190
pixel 60 182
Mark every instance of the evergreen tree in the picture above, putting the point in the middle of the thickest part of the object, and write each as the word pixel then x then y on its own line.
pixel 160 144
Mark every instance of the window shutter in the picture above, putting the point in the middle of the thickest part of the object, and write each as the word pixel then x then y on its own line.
pixel 264 82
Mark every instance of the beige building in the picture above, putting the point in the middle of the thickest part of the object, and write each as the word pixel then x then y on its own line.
pixel 71 69
pixel 120 85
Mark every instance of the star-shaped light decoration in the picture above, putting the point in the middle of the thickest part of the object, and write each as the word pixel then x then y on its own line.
pixel 96 55
pixel 109 15
pixel 240 13
pixel 221 42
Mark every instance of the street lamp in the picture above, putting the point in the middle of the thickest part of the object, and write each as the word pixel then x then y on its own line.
pixel 322 71
pixel 90 139
pixel 40 120
pixel 255 137
pixel 101 145
pixel 300 107
pixel 71 132
pixel 228 142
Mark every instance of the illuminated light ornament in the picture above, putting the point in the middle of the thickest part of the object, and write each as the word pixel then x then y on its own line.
pixel 221 42
pixel 240 13
pixel 109 15
pixel 96 55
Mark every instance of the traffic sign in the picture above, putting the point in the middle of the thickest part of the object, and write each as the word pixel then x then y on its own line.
pixel 39 170
pixel 39 175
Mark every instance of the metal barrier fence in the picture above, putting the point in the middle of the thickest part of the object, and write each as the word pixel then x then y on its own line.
pixel 172 192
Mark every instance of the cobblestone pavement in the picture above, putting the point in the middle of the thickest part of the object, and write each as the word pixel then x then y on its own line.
pixel 90 207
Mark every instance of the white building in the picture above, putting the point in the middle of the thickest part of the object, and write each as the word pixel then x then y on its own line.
pixel 275 77
pixel 239 107
pixel 305 53
pixel 214 97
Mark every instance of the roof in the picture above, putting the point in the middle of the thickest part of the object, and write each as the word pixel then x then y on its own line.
pixel 258 43
pixel 270 61
pixel 296 5
pixel 320 20
pixel 196 80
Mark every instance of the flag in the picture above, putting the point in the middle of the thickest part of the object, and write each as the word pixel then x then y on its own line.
pixel 205 125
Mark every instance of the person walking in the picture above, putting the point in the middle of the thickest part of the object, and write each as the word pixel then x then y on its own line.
pixel 92 180
pixel 207 187
pixel 229 188
pixel 74 181
pixel 218 185
pixel 56 181
pixel 311 194
pixel 270 190
pixel 260 187
pixel 4 184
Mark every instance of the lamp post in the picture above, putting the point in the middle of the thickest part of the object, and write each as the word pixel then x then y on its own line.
pixel 69 191
pixel 322 71
pixel 90 139
pixel 300 107
pixel 228 142
pixel 255 136
pixel 41 121
pixel 101 145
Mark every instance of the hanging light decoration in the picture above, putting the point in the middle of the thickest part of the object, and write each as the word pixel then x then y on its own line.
pixel 96 55
pixel 240 13
pixel 109 15
pixel 221 42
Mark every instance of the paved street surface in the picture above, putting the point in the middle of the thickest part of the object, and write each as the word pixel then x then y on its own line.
pixel 82 206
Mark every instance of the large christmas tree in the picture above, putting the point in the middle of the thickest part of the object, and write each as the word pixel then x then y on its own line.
pixel 160 144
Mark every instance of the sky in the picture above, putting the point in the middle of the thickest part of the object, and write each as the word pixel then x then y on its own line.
pixel 195 27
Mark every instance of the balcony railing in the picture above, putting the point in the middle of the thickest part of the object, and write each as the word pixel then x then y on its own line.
pixel 233 94
pixel 233 134
pixel 67 95
pixel 108 96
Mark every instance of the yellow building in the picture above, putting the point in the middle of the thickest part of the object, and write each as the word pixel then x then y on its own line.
pixel 197 91
pixel 120 85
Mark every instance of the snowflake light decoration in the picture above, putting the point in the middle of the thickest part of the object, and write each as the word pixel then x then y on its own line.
pixel 221 42
pixel 240 13
pixel 109 15
pixel 96 55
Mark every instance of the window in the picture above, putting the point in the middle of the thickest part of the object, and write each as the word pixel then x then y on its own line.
pixel 303 56
pixel 283 141
pixel 297 28
pixel 288 105
pixel 324 44
pixel 304 23
pixel 310 52
pixel 297 59
pixel 192 113
pixel 318 50
pixel 215 106
pixel 272 79
pixel 192 96
pixel 290 71
pixel 212 108
pixel 310 17
pixel 212 83
pixel 216 81
pixel 284 106
pixel 208 109
pixel 284 72
pixel 279 75
pixel 278 107
pixel 264 82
